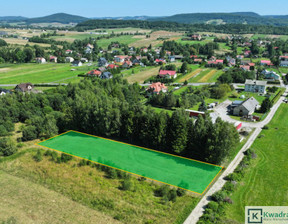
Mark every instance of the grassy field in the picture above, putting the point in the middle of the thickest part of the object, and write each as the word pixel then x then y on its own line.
pixel 28 202
pixel 264 183
pixel 143 75
pixel 189 174
pixel 35 192
pixel 39 73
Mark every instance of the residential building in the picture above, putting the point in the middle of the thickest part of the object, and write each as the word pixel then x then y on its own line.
pixel 69 59
pixel 245 108
pixel 102 62
pixel 156 88
pixel 106 75
pixel 4 92
pixel 95 73
pixel 168 74
pixel 270 75
pixel 266 63
pixel 53 59
pixel 255 86
pixel 89 48
pixel 24 87
pixel 40 60
pixel 77 63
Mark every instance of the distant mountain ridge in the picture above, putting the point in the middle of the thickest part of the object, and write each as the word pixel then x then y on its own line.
pixel 225 18
pixel 58 18
pixel 250 18
pixel 12 18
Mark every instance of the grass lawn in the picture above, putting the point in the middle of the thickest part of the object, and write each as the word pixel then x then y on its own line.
pixel 189 174
pixel 264 183
pixel 158 109
pixel 38 73
pixel 140 77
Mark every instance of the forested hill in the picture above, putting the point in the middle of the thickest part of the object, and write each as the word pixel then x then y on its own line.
pixel 173 26
pixel 58 18
pixel 12 18
pixel 225 18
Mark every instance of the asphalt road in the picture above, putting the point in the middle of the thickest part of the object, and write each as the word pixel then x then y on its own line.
pixel 199 209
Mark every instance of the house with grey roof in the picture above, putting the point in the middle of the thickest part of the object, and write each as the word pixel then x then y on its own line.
pixel 271 75
pixel 246 107
pixel 106 75
pixel 255 86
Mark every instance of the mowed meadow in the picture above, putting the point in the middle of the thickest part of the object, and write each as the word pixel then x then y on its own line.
pixel 265 182
pixel 38 73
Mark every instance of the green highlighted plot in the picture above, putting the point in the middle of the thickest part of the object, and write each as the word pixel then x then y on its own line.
pixel 185 173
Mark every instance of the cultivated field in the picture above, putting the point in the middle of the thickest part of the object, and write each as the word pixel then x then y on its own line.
pixel 190 75
pixel 189 174
pixel 39 73
pixel 264 182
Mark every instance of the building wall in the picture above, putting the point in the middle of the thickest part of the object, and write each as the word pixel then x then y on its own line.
pixel 237 111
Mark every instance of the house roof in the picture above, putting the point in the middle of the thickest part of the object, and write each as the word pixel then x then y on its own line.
pixel 24 86
pixel 157 87
pixel 265 62
pixel 112 66
pixel 255 82
pixel 95 72
pixel 167 72
pixel 250 104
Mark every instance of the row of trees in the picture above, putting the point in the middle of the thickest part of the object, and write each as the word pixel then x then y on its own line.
pixel 112 108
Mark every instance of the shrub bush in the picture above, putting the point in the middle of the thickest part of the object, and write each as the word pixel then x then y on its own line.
pixel 7 147
pixel 38 156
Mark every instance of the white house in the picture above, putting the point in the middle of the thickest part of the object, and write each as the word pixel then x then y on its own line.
pixel 41 60
pixel 69 59
pixel 255 86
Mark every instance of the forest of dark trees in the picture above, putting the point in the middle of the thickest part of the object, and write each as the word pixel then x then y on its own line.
pixel 113 109
pixel 173 26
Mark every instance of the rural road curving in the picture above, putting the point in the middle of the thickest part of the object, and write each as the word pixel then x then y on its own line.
pixel 199 209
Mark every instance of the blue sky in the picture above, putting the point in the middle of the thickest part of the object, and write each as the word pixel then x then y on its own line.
pixel 109 8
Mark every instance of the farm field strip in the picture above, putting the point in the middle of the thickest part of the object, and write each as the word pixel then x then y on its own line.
pixel 208 76
pixel 190 75
pixel 173 170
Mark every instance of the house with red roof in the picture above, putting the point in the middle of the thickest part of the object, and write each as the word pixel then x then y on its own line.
pixel 95 73
pixel 157 61
pixel 121 58
pixel 213 63
pixel 167 74
pixel 68 51
pixel 266 63
pixel 247 54
pixel 156 88
pixel 127 64
pixel 112 66
pixel 196 37
pixel 198 60
pixel 53 59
